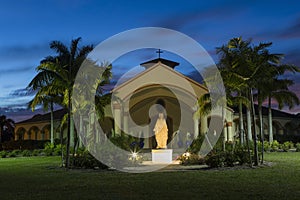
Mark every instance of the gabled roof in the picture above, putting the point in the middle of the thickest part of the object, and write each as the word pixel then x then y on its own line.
pixel 159 64
pixel 169 63
pixel 57 115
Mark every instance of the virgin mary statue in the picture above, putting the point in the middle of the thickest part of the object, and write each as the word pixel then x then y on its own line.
pixel 161 132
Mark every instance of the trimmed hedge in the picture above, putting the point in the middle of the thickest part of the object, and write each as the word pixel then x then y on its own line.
pixel 24 144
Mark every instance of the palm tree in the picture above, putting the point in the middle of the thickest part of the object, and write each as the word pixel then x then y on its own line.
pixel 241 67
pixel 56 77
pixel 47 100
pixel 283 96
pixel 232 66
pixel 85 91
pixel 213 102
pixel 264 71
pixel 7 127
pixel 269 84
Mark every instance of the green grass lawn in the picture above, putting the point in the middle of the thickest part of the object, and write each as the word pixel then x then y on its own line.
pixel 41 178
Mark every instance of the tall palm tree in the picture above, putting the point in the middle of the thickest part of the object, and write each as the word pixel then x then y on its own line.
pixel 269 84
pixel 283 96
pixel 47 100
pixel 57 74
pixel 213 102
pixel 85 91
pixel 241 68
pixel 264 71
pixel 232 66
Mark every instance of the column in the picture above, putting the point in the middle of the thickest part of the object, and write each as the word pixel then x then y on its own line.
pixel 125 122
pixel 117 117
pixel 80 130
pixel 72 132
pixel 203 128
pixel 229 131
pixel 91 126
pixel 52 130
pixel 225 133
pixel 196 127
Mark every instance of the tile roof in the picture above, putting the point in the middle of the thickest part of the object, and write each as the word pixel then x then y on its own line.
pixel 57 115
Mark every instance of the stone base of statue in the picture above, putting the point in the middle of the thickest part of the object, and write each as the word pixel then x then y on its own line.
pixel 163 156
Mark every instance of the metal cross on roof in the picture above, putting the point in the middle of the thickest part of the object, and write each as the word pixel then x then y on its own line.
pixel 159 52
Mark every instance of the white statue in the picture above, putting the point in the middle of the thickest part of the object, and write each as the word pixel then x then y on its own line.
pixel 161 132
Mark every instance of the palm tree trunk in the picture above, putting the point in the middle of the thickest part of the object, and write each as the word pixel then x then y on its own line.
pixel 1 128
pixel 223 119
pixel 261 129
pixel 256 160
pixel 52 123
pixel 69 131
pixel 270 121
pixel 62 145
pixel 249 152
pixel 249 130
pixel 242 135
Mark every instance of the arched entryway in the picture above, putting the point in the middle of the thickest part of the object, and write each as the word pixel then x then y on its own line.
pixel 32 133
pixel 146 103
pixel 45 132
pixel 20 133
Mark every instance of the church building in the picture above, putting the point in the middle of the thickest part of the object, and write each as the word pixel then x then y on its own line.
pixel 159 84
pixel 134 110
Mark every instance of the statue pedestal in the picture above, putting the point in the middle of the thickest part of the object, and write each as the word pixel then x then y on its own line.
pixel 163 156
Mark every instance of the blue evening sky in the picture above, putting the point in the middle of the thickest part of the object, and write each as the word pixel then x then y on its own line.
pixel 27 28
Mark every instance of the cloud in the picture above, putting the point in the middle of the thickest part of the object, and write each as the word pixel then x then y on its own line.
pixel 293 57
pixel 24 51
pixel 17 99
pixel 286 31
pixel 19 114
pixel 293 31
pixel 217 11
pixel 22 92
pixel 16 70
pixel 18 59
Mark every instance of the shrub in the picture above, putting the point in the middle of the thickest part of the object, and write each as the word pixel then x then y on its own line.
pixel 57 151
pixel 241 153
pixel 291 145
pixel 3 154
pixel 259 146
pixel 230 159
pixel 113 157
pixel 36 152
pixel 24 144
pixel 26 153
pixel 215 159
pixel 196 145
pixel 298 147
pixel 221 159
pixel 286 146
pixel 54 150
pixel 267 146
pixel 49 149
pixel 191 159
pixel 128 142
pixel 275 145
pixel 87 161
pixel 14 153
pixel 234 153
pixel 229 146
